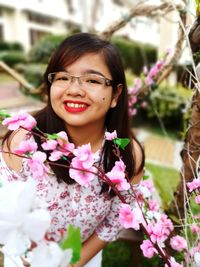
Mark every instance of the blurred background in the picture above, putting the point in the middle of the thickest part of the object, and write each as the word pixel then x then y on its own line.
pixel 31 30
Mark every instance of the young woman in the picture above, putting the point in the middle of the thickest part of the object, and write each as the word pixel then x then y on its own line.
pixel 87 95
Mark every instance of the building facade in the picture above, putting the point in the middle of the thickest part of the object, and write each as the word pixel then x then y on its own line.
pixel 27 21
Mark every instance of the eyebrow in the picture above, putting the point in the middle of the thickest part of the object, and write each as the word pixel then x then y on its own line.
pixel 94 72
pixel 89 71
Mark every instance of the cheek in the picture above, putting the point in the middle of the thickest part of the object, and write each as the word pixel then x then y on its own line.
pixel 55 93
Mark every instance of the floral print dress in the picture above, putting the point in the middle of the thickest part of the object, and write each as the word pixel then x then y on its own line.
pixel 83 207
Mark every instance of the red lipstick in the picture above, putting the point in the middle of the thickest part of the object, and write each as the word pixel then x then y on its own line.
pixel 75 106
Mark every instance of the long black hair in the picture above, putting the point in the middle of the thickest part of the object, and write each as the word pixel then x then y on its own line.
pixel 117 118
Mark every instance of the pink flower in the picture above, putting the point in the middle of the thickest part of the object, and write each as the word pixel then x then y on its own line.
pixel 178 243
pixel 148 249
pixel 117 176
pixel 130 218
pixel 84 154
pixel 82 176
pixel 148 184
pixel 156 232
pixel 173 263
pixel 195 229
pixel 21 119
pixel 153 205
pixel 36 164
pixel 195 184
pixel 26 147
pixel 118 179
pixel 119 166
pixel 55 155
pixel 49 145
pixel 110 136
pixel 64 145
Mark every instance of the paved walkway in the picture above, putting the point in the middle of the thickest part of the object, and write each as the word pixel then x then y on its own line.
pixel 161 150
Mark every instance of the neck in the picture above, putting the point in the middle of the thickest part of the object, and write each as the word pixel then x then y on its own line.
pixel 87 135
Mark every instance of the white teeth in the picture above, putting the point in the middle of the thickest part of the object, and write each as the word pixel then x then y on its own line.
pixel 73 105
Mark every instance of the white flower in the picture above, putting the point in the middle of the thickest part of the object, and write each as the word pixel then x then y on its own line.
pixel 197 259
pixel 21 221
pixel 51 255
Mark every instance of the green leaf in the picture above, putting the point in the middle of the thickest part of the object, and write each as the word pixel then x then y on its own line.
pixel 52 136
pixel 72 241
pixel 145 177
pixel 4 114
pixel 121 142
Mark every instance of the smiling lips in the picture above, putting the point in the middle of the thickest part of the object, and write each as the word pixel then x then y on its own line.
pixel 75 106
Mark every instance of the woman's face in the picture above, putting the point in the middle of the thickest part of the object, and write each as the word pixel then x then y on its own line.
pixel 83 103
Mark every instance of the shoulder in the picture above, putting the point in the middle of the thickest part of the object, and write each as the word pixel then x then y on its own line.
pixel 9 145
pixel 138 155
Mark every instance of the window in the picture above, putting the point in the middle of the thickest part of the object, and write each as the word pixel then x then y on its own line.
pixel 40 19
pixel 36 35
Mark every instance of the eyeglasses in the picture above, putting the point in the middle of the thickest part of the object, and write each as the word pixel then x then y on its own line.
pixel 91 80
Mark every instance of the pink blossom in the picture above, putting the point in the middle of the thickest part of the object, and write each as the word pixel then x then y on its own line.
pixel 49 145
pixel 160 230
pixel 153 72
pixel 156 232
pixel 136 87
pixel 145 70
pixel 195 229
pixel 119 166
pixel 82 176
pixel 160 63
pixel 173 263
pixel 36 164
pixel 64 145
pixel 148 249
pixel 130 218
pixel 84 154
pixel 167 224
pixel 132 112
pixel 153 205
pixel 178 243
pixel 197 199
pixel 63 136
pixel 110 136
pixel 148 184
pixel 26 147
pixel 148 81
pixel 21 119
pixel 195 184
pixel 55 155
pixel 169 50
pixel 117 176
pixel 144 104
pixel 118 179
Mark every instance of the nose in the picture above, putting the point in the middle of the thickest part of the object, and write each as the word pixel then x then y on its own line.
pixel 75 87
pixel 74 78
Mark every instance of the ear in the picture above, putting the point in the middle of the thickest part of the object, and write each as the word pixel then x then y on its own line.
pixel 116 96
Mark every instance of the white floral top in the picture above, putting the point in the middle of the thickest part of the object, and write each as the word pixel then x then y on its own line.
pixel 74 204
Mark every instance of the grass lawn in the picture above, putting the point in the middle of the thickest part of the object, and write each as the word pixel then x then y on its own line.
pixel 165 180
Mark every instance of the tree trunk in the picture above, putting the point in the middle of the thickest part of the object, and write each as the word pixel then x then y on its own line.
pixel 191 150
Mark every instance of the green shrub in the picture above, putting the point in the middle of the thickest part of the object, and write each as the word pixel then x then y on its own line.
pixel 169 103
pixel 12 57
pixel 42 51
pixel 135 55
pixel 9 46
pixel 33 73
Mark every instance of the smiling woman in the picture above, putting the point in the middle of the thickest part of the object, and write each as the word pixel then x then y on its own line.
pixel 87 96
